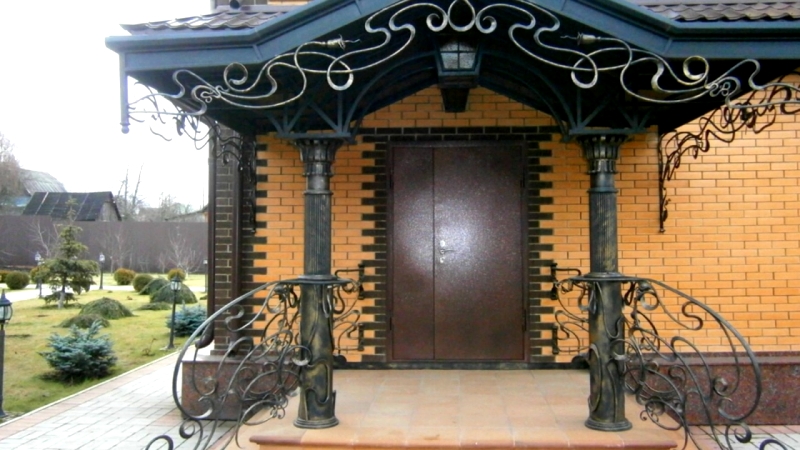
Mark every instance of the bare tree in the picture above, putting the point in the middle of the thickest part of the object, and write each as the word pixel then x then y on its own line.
pixel 180 253
pixel 10 185
pixel 128 201
pixel 116 247
pixel 168 210
pixel 44 236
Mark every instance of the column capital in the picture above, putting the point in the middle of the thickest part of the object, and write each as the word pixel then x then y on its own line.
pixel 602 151
pixel 318 155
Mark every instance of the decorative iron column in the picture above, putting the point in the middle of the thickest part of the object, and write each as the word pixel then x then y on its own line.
pixel 317 397
pixel 606 327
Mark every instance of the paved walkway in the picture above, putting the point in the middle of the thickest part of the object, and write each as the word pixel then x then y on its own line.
pixel 123 413
pixel 128 411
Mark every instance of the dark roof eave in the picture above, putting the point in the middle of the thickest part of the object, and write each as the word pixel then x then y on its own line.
pixel 623 19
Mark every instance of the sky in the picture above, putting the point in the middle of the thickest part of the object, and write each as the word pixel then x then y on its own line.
pixel 59 99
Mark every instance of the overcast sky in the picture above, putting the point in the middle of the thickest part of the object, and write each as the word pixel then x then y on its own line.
pixel 59 102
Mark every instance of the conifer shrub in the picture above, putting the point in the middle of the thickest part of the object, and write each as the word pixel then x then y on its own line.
pixel 187 320
pixel 17 280
pixel 176 271
pixel 140 281
pixel 107 308
pixel 84 321
pixel 80 355
pixel 155 306
pixel 165 295
pixel 154 286
pixel 124 276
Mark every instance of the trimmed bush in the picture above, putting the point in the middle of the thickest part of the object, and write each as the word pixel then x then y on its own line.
pixel 80 355
pixel 3 274
pixel 153 286
pixel 187 320
pixel 155 306
pixel 84 321
pixel 164 295
pixel 124 276
pixel 140 281
pixel 17 280
pixel 108 308
pixel 176 271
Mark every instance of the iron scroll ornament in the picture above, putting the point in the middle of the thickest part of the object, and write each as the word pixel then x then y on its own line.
pixel 534 31
pixel 254 378
pixel 668 374
pixel 723 124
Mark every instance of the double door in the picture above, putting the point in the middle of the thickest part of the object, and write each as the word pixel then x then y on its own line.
pixel 456 253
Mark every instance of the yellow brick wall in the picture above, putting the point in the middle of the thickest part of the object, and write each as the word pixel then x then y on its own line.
pixel 732 239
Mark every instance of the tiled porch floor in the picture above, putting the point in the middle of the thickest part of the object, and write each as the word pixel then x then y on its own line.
pixel 458 409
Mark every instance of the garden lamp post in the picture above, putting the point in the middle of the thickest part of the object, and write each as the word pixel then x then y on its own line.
pixel 175 286
pixel 101 259
pixel 6 311
pixel 205 275
pixel 39 261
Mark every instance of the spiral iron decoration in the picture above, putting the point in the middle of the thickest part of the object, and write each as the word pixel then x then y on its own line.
pixel 669 374
pixel 755 112
pixel 254 377
pixel 534 31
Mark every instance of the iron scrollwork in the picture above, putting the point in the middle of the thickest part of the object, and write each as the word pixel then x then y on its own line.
pixel 253 379
pixel 534 31
pixel 668 373
pixel 755 113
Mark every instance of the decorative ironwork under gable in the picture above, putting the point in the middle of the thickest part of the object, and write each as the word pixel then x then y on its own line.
pixel 328 84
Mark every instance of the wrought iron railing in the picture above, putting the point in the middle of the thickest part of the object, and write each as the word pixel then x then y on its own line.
pixel 252 380
pixel 667 371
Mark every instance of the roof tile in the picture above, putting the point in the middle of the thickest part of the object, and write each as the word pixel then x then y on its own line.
pixel 729 10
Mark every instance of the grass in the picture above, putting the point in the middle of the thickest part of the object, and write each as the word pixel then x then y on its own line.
pixel 136 341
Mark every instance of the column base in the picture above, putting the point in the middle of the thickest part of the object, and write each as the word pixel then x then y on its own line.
pixel 317 424
pixel 605 426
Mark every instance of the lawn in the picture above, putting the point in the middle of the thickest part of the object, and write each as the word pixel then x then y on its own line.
pixel 136 341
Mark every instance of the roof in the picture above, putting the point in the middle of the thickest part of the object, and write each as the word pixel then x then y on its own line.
pixel 88 205
pixel 678 10
pixel 34 181
pixel 727 10
pixel 224 19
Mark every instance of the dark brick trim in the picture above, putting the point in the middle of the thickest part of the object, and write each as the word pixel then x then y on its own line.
pixel 532 136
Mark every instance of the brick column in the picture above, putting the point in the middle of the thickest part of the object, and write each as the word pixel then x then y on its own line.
pixel 606 327
pixel 317 397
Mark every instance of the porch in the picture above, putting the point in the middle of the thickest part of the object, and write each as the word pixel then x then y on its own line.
pixel 543 409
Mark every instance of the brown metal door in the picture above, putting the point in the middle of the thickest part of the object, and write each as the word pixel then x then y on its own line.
pixel 456 253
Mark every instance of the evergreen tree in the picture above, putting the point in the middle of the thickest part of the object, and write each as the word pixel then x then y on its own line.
pixel 66 269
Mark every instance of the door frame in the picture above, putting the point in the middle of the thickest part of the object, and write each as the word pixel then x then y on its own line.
pixel 525 263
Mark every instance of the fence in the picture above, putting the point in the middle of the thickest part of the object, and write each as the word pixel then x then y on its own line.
pixel 141 246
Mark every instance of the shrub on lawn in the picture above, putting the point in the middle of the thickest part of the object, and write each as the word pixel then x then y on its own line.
pixel 107 308
pixel 3 274
pixel 124 276
pixel 165 295
pixel 155 306
pixel 153 286
pixel 17 280
pixel 140 281
pixel 176 271
pixel 80 355
pixel 187 320
pixel 84 321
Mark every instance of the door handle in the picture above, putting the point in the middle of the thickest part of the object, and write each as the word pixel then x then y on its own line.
pixel 443 250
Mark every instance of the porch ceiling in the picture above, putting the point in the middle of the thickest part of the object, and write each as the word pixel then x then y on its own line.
pixel 384 77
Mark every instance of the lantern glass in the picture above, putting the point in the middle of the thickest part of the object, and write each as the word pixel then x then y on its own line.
pixel 102 258
pixel 175 284
pixel 6 310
